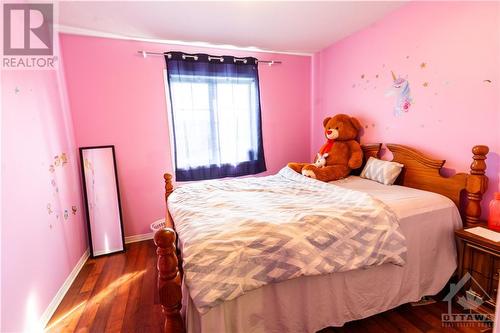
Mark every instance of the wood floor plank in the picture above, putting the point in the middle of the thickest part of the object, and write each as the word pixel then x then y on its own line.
pixel 66 304
pixel 405 311
pixel 107 295
pixel 132 310
pixel 386 326
pixel 77 310
pixel 115 319
pixel 399 321
pixel 106 277
pixel 370 325
pixel 147 319
pixel 97 267
pixel 118 293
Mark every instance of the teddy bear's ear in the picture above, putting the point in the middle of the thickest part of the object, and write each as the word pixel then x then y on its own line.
pixel 355 123
pixel 327 119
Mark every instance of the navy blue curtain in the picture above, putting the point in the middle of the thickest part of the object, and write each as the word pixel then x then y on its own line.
pixel 215 115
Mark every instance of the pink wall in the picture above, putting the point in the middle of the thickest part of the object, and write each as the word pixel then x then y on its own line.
pixel 40 244
pixel 459 44
pixel 118 97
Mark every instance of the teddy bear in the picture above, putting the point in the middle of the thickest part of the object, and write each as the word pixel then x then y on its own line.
pixel 339 155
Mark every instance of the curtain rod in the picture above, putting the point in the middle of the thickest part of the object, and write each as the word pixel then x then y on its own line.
pixel 146 53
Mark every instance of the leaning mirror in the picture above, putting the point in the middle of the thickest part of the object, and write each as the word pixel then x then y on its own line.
pixel 102 200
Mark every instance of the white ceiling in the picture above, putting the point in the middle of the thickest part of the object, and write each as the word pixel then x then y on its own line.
pixel 285 26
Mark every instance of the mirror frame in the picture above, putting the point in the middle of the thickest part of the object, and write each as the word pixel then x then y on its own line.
pixel 84 186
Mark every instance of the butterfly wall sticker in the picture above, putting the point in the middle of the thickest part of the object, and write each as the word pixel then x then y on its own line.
pixel 60 160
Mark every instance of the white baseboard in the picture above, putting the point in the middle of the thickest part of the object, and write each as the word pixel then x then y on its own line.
pixel 138 238
pixel 49 311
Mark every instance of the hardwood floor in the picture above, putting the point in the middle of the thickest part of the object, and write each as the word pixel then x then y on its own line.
pixel 117 293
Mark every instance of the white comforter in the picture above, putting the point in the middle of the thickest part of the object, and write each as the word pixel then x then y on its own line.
pixel 240 234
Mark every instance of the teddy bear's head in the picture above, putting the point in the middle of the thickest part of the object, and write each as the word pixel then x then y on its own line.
pixel 341 127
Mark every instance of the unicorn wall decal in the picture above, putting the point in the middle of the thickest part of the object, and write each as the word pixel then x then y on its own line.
pixel 400 88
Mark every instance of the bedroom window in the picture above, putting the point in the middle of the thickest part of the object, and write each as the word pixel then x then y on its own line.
pixel 215 116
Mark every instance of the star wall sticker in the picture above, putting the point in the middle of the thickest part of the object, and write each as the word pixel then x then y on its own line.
pixel 425 84
pixel 17 90
pixel 423 65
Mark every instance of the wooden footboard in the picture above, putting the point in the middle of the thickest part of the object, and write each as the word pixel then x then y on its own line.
pixel 169 280
pixel 420 172
pixel 169 276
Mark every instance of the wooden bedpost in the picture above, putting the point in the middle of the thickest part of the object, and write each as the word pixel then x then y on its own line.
pixel 169 280
pixel 169 188
pixel 477 184
pixel 169 277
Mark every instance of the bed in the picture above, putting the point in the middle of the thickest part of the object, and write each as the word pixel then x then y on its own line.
pixel 428 207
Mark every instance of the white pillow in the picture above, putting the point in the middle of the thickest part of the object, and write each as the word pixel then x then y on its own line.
pixel 384 172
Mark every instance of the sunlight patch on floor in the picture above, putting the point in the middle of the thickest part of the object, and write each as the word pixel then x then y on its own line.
pixel 96 299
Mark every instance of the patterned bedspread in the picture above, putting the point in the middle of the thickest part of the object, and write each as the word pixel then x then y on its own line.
pixel 239 234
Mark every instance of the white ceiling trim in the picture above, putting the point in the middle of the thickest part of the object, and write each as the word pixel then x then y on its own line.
pixel 93 33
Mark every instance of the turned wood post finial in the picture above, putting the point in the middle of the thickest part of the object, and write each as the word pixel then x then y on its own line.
pixel 169 280
pixel 169 188
pixel 478 166
pixel 477 184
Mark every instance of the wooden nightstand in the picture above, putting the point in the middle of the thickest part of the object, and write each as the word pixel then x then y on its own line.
pixel 480 257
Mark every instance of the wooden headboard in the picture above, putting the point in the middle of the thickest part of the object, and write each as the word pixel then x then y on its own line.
pixel 424 173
